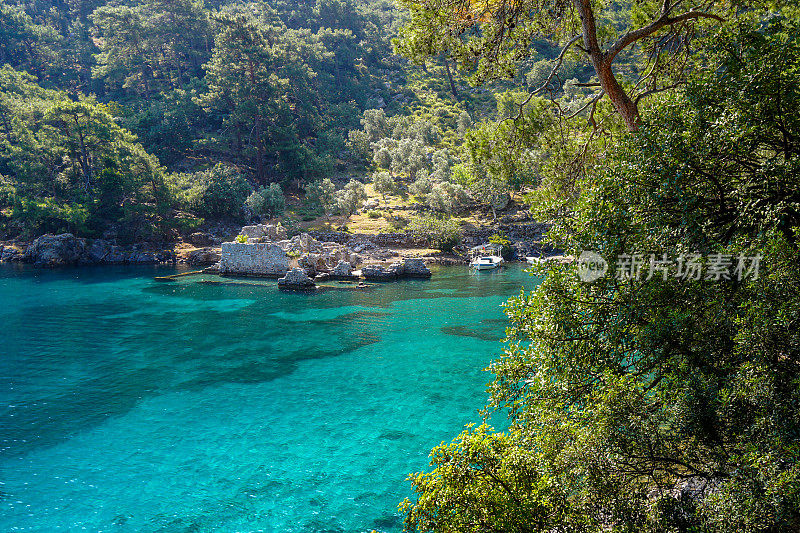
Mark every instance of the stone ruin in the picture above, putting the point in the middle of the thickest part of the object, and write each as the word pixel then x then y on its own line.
pixel 267 252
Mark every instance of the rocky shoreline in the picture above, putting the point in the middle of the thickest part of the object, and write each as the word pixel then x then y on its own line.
pixel 316 252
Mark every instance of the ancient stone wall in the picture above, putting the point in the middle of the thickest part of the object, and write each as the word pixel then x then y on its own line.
pixel 258 259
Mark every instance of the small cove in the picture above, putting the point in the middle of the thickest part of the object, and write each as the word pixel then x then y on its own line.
pixel 131 405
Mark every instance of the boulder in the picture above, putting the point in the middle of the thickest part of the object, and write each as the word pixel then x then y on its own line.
pixel 99 250
pixel 202 239
pixel 57 250
pixel 343 271
pixel 265 232
pixel 144 258
pixel 296 279
pixel 203 256
pixel 313 263
pixel 380 273
pixel 116 255
pixel 414 267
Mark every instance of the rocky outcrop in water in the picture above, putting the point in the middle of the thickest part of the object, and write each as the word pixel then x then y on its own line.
pixel 57 250
pixel 203 256
pixel 296 279
pixel 67 250
pixel 383 273
pixel 414 267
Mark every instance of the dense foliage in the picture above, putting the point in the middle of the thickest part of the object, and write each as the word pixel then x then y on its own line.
pixel 662 401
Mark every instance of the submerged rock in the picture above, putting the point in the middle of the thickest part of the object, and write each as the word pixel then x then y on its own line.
pixel 296 278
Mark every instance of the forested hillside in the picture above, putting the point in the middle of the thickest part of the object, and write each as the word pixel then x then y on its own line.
pixel 660 395
pixel 154 117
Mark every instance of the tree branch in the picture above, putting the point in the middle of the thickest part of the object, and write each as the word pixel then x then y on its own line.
pixel 663 20
pixel 559 60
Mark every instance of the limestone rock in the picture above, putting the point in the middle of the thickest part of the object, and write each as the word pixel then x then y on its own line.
pixel 57 250
pixel 200 238
pixel 99 250
pixel 9 254
pixel 415 267
pixel 313 263
pixel 296 278
pixel 343 271
pixel 204 256
pixel 379 273
pixel 265 232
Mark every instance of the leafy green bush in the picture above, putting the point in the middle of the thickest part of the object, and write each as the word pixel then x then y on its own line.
pixel 374 214
pixel 384 184
pixel 267 202
pixel 241 239
pixel 322 194
pixel 351 197
pixel 442 233
pixel 222 194
pixel 502 240
pixel 48 215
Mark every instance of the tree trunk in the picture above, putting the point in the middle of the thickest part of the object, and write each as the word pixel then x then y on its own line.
pixel 450 79
pixel 84 158
pixel 259 152
pixel 602 66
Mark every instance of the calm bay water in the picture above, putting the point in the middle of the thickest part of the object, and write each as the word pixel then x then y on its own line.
pixel 128 405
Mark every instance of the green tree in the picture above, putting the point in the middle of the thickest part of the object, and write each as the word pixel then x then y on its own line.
pixel 68 156
pixel 151 46
pixel 351 197
pixel 259 85
pixel 323 194
pixel 663 402
pixel 223 191
pixel 494 36
pixel 384 184
pixel 440 232
pixel 267 201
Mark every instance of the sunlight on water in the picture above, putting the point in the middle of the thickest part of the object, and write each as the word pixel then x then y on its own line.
pixel 128 405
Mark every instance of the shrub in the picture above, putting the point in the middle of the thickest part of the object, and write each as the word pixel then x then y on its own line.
pixel 446 197
pixel 241 239
pixel 267 202
pixel 322 194
pixel 351 197
pixel 384 184
pixel 223 191
pixel 442 233
pixel 502 240
pixel 374 214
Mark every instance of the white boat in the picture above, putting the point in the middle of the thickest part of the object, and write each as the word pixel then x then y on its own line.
pixel 486 257
pixel 486 262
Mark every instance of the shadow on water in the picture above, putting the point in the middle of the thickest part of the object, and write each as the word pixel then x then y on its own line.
pixel 487 330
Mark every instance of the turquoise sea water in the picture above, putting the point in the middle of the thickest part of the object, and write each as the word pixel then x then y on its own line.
pixel 128 405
